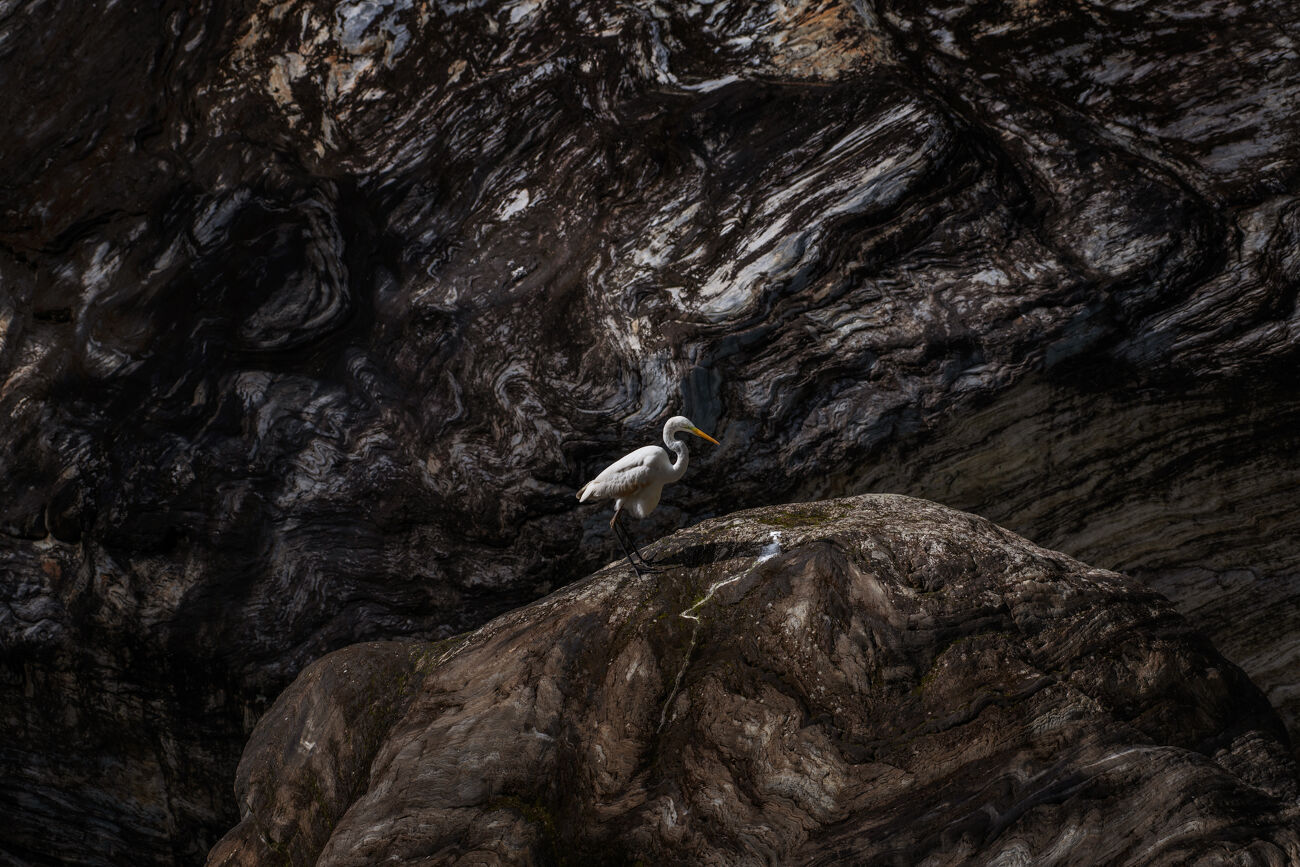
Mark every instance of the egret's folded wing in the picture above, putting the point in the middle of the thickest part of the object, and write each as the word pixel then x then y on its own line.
pixel 616 481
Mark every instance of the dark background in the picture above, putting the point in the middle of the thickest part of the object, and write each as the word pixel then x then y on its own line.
pixel 313 317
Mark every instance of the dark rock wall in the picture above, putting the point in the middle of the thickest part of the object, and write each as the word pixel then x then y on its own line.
pixel 314 316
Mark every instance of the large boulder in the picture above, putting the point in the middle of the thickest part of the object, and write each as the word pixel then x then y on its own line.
pixel 870 680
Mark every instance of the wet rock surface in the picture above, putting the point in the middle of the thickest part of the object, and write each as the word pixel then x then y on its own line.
pixel 313 316
pixel 876 679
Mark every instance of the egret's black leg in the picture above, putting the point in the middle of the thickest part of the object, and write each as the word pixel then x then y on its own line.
pixel 614 525
pixel 617 526
pixel 627 534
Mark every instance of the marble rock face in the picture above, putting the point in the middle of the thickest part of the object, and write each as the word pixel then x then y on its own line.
pixel 314 315
pixel 870 680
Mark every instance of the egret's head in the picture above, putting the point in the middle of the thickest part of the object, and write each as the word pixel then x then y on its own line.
pixel 681 424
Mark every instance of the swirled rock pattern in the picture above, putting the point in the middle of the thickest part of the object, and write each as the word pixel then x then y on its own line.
pixel 870 680
pixel 313 315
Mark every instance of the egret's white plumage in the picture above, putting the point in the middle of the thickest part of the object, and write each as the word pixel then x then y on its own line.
pixel 636 481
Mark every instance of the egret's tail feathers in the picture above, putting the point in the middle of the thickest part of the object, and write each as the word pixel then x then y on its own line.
pixel 582 492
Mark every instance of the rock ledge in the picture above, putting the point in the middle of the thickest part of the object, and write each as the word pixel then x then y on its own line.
pixel 876 679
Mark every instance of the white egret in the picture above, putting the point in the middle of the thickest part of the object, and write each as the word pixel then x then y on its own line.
pixel 635 481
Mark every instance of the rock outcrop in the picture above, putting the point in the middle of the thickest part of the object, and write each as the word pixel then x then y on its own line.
pixel 868 680
pixel 313 315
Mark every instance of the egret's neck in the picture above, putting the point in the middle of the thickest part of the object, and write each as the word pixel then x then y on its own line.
pixel 682 456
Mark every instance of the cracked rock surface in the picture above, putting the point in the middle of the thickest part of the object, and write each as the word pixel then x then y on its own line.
pixel 870 680
pixel 314 313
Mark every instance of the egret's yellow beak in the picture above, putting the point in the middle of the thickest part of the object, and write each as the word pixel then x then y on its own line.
pixel 700 433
